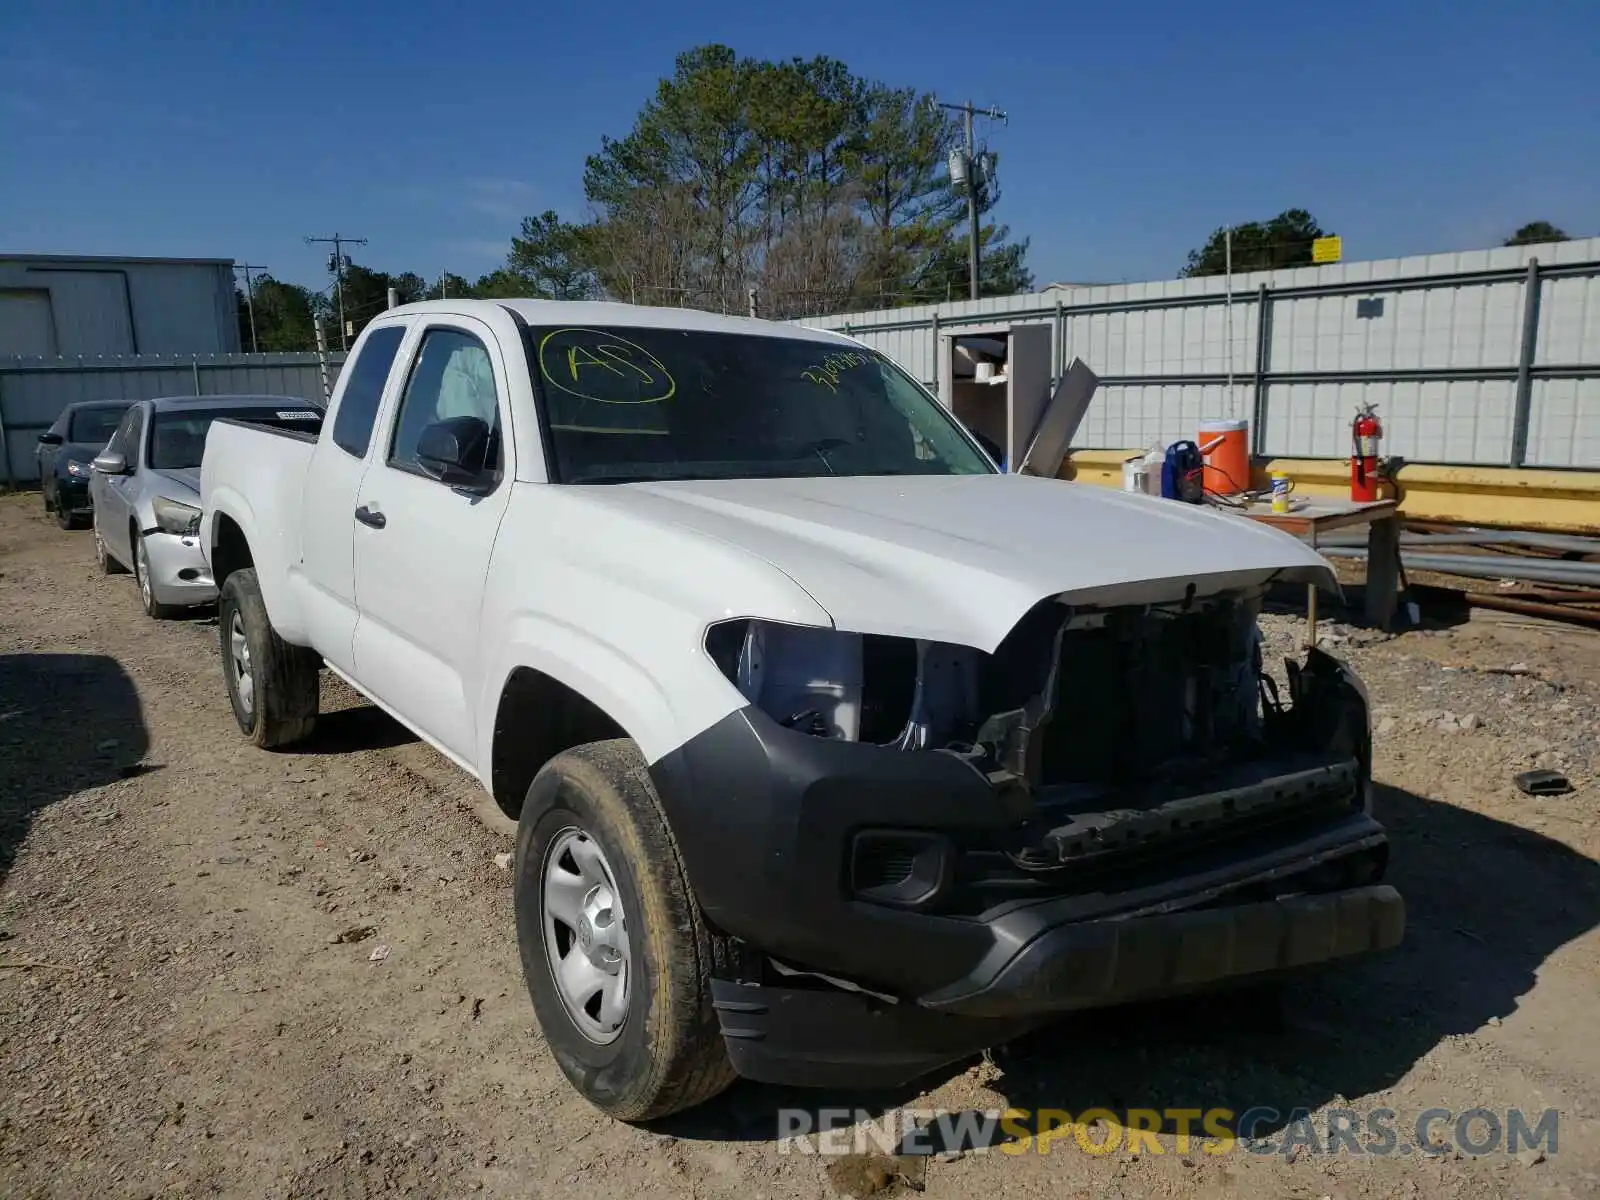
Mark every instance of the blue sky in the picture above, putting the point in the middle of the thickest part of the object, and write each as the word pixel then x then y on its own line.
pixel 199 128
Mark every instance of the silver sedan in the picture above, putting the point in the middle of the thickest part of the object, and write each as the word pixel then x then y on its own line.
pixel 146 491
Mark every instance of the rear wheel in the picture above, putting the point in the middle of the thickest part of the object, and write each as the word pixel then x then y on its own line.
pixel 614 951
pixel 271 684
pixel 66 518
pixel 147 596
pixel 102 556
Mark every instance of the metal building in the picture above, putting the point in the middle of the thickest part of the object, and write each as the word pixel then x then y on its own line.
pixel 60 305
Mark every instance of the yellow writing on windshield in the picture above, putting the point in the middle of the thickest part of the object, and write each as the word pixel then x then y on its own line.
pixel 595 364
pixel 827 372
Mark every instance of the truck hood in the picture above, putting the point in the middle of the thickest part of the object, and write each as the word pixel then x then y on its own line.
pixel 961 558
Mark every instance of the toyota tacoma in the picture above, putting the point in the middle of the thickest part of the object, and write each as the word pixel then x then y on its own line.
pixel 837 755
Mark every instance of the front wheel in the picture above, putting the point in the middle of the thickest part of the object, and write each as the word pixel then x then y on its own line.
pixel 102 556
pixel 271 684
pixel 147 595
pixel 614 951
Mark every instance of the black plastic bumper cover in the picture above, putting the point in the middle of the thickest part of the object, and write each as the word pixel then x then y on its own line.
pixel 1105 962
pixel 763 816
pixel 828 1038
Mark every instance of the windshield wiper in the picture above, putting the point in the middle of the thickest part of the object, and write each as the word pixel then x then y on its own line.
pixel 820 448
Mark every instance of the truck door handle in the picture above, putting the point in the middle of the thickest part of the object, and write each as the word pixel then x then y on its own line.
pixel 371 516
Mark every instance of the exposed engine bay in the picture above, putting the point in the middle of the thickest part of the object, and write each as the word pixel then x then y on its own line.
pixel 1116 736
pixel 1072 699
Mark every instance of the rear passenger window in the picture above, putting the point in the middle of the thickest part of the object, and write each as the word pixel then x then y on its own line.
pixel 363 389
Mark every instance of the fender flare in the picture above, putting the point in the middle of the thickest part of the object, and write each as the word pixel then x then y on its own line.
pixel 616 683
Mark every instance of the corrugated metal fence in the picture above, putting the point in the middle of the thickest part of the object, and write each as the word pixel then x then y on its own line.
pixel 33 391
pixel 1488 357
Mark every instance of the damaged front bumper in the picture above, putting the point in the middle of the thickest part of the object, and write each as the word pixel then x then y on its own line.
pixel 179 573
pixel 884 913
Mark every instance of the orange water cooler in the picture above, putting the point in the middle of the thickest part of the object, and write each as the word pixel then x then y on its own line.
pixel 1225 446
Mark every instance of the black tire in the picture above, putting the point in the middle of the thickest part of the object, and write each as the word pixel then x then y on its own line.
pixel 147 598
pixel 68 519
pixel 281 707
pixel 102 556
pixel 48 507
pixel 668 1054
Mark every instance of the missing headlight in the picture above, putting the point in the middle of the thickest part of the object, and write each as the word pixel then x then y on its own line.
pixel 860 687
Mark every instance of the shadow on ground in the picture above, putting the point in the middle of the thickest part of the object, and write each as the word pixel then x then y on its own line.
pixel 68 722
pixel 347 730
pixel 1487 903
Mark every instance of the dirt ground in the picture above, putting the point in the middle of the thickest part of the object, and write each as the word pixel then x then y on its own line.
pixel 228 972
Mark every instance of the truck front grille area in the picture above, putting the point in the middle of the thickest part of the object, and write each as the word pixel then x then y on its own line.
pixel 1122 695
pixel 1138 839
pixel 1142 746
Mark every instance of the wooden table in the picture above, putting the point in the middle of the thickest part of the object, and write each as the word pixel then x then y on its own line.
pixel 1319 515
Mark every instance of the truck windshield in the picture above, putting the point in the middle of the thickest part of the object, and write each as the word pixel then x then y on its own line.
pixel 633 404
pixel 178 438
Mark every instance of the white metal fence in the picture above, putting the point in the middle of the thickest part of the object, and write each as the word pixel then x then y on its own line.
pixel 33 391
pixel 1486 357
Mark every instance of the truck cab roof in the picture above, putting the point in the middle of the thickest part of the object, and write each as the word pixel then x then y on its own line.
pixel 607 313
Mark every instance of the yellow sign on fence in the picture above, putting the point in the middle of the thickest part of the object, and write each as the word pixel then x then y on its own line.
pixel 1325 250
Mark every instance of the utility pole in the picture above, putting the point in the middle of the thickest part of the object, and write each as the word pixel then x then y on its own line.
pixel 250 302
pixel 322 358
pixel 976 170
pixel 337 264
pixel 1227 273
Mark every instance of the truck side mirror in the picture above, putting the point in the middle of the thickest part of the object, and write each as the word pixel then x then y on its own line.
pixel 50 439
pixel 111 462
pixel 456 453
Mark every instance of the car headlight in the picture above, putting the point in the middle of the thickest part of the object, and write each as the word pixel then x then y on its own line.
pixel 173 517
pixel 79 470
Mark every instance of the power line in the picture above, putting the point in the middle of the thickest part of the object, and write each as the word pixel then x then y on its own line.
pixel 337 264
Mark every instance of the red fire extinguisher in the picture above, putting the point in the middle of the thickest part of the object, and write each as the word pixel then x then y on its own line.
pixel 1366 436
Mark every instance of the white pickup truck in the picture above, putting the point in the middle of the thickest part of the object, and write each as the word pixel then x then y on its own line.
pixel 837 755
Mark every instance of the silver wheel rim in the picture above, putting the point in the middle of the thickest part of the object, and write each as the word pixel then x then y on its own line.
pixel 144 576
pixel 585 935
pixel 239 652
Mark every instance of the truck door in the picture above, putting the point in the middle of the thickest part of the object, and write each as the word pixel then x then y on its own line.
pixel 423 548
pixel 332 481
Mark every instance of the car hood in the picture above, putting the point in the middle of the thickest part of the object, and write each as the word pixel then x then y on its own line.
pixel 177 481
pixel 961 558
